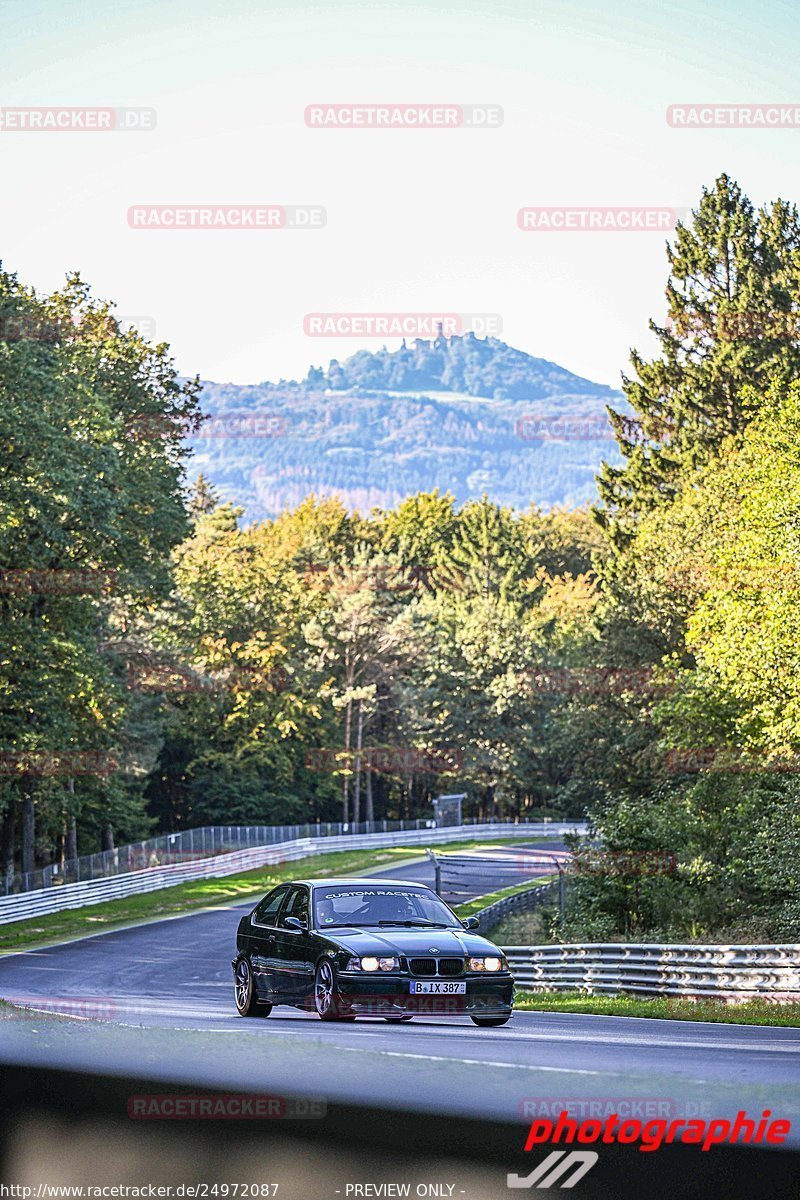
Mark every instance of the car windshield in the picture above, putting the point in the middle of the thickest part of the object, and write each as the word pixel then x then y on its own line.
pixel 363 905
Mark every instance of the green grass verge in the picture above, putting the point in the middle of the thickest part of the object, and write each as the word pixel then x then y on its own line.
pixel 471 907
pixel 202 893
pixel 672 1008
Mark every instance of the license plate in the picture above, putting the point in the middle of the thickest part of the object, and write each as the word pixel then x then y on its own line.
pixel 437 987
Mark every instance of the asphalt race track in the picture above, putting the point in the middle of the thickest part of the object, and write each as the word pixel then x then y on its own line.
pixel 495 867
pixel 158 999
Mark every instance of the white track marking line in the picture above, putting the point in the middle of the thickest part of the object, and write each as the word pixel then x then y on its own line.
pixel 476 1062
pixel 161 1009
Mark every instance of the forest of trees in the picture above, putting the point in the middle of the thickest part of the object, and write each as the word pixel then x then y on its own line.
pixel 362 432
pixel 163 664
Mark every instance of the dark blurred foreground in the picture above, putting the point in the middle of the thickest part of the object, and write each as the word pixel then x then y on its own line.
pixel 68 1128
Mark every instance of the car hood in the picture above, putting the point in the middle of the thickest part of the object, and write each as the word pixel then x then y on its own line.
pixel 411 942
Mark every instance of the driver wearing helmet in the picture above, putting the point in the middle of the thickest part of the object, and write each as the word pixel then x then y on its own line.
pixel 326 913
pixel 393 907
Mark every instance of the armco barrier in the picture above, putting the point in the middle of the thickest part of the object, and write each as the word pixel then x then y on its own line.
pixel 733 972
pixel 523 901
pixel 77 895
pixel 455 873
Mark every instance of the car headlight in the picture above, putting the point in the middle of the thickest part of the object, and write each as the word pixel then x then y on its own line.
pixel 373 964
pixel 486 964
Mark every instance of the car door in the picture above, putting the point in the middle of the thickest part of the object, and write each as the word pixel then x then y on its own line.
pixel 293 947
pixel 264 933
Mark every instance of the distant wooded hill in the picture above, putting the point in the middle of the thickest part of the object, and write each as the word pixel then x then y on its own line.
pixel 466 415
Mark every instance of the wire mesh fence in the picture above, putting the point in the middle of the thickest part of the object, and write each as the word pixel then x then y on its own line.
pixel 189 845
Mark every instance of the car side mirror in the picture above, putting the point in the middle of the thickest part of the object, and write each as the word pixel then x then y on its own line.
pixel 294 923
pixel 470 922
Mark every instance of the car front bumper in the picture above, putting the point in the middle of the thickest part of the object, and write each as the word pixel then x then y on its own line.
pixel 390 995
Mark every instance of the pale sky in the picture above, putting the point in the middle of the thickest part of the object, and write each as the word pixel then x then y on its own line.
pixel 417 220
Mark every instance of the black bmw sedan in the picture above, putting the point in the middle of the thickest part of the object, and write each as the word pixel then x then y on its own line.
pixel 345 948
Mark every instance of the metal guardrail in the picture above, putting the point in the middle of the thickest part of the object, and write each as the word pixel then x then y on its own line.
pixel 735 972
pixel 455 872
pixel 77 895
pixel 524 901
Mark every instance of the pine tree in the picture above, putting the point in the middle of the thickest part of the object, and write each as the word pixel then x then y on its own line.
pixel 204 498
pixel 733 321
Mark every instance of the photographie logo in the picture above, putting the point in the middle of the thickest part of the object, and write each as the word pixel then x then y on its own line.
pixel 600 219
pixel 734 116
pixel 227 216
pixel 69 581
pixel 386 760
pixel 171 1107
pixel 652 1133
pixel 423 325
pixel 404 116
pixel 58 763
pixel 77 120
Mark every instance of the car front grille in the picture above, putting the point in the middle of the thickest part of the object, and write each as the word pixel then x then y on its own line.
pixel 427 966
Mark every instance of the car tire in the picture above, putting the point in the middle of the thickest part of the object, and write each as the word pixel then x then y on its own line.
pixel 490 1022
pixel 327 1003
pixel 244 991
pixel 397 1020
